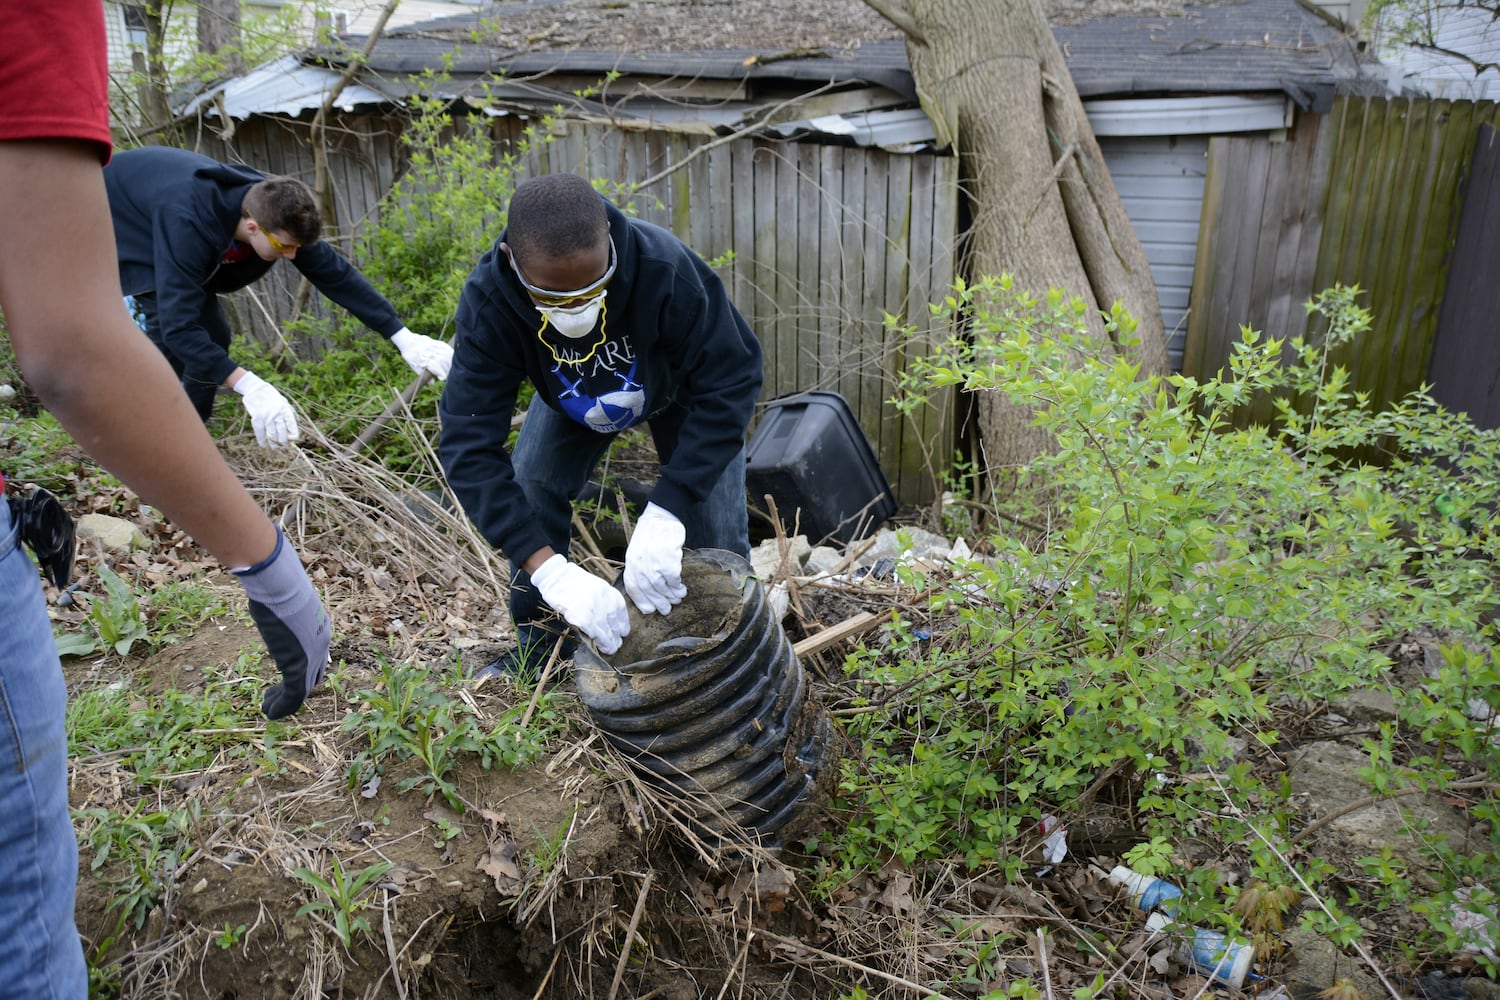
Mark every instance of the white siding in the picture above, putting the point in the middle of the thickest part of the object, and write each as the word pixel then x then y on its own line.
pixel 1470 30
pixel 1350 12
pixel 359 15
pixel 1160 180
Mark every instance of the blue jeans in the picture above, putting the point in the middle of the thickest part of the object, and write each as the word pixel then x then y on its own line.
pixel 40 954
pixel 554 457
pixel 202 394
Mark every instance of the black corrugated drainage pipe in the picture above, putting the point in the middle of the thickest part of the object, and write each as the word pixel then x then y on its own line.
pixel 711 703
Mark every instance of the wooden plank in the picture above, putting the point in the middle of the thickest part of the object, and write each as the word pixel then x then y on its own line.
pixel 1204 350
pixel 867 402
pixel 1466 354
pixel 716 199
pixel 1370 363
pixel 1304 268
pixel 1297 210
pixel 1433 251
pixel 849 628
pixel 742 239
pixel 787 248
pixel 890 431
pixel 648 156
pixel 1273 204
pixel 809 262
pixel 694 203
pixel 851 264
pixel 942 419
pixel 921 433
pixel 1356 164
pixel 1406 208
pixel 763 260
pixel 830 297
pixel 1244 239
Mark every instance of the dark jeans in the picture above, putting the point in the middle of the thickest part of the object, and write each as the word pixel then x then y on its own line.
pixel 554 458
pixel 202 394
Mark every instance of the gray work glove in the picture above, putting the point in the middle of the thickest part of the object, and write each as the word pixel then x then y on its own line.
pixel 291 619
pixel 586 602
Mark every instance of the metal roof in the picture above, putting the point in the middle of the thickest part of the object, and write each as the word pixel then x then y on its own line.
pixel 286 86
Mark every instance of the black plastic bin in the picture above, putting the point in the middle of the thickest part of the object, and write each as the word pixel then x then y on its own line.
pixel 810 454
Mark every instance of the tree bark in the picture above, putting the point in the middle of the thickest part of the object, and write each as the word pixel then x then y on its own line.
pixel 152 70
pixel 992 79
pixel 219 33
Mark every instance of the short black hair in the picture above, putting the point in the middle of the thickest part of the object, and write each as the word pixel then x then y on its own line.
pixel 555 215
pixel 287 205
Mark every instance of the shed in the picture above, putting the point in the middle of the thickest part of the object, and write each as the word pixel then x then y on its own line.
pixel 839 209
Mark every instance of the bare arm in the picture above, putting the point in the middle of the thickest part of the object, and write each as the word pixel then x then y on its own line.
pixel 93 369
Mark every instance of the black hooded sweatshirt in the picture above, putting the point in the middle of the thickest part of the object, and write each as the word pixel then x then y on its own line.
pixel 669 334
pixel 174 214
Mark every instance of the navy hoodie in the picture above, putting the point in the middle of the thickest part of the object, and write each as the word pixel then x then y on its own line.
pixel 174 214
pixel 669 335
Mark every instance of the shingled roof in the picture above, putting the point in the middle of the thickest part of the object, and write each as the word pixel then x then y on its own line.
pixel 1230 46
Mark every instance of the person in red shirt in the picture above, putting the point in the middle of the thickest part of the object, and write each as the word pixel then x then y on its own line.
pixel 117 396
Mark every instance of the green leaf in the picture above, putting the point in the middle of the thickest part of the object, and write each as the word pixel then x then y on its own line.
pixel 75 644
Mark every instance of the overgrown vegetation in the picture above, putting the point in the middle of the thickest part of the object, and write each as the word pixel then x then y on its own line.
pixel 1163 584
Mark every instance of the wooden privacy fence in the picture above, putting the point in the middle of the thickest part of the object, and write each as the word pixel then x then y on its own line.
pixel 821 243
pixel 1368 194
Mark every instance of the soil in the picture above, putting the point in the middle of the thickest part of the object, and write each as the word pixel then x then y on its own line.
pixel 632 904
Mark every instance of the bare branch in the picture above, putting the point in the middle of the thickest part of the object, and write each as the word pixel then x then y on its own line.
pixel 738 133
pixel 320 120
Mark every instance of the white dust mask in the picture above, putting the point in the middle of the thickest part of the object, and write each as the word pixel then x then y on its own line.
pixel 575 322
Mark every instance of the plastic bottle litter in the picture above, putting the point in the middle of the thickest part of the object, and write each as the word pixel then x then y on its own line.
pixel 1147 892
pixel 1216 955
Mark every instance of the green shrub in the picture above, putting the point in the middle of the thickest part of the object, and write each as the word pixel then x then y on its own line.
pixel 1196 574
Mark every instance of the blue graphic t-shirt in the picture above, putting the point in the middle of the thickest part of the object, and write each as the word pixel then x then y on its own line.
pixel 594 380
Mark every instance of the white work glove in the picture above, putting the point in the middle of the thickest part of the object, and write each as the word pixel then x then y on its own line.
pixel 423 354
pixel 653 561
pixel 589 604
pixel 271 415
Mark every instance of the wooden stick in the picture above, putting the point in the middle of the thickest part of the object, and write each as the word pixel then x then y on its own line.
pixel 635 921
pixel 401 402
pixel 849 628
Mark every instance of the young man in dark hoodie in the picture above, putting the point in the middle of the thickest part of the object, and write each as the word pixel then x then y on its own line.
pixel 615 322
pixel 188 228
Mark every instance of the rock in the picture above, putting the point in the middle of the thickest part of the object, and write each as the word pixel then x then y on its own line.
pixel 766 557
pixel 824 560
pixel 924 545
pixel 114 534
pixel 1366 705
pixel 1325 779
pixel 1315 963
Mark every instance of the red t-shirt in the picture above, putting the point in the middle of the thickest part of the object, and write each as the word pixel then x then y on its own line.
pixel 54 72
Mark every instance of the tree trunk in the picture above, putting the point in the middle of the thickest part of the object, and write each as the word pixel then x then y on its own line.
pixel 153 73
pixel 219 33
pixel 992 79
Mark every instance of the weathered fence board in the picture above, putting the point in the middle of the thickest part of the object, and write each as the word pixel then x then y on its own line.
pixel 1466 353
pixel 1367 195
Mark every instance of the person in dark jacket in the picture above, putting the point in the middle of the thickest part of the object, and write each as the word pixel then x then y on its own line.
pixel 615 322
pixel 188 228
